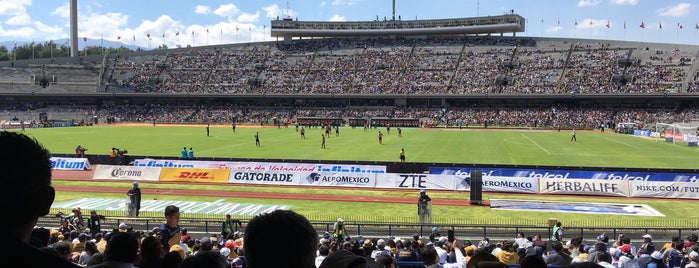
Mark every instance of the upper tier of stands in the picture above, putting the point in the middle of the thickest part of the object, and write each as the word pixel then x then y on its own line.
pixel 445 65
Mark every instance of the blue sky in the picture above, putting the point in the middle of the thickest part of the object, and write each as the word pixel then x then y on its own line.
pixel 249 20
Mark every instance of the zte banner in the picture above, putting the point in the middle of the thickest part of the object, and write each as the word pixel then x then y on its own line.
pixel 206 175
pixel 583 187
pixel 416 181
pixel 107 172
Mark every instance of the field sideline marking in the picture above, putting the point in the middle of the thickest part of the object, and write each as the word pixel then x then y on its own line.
pixel 542 148
pixel 622 143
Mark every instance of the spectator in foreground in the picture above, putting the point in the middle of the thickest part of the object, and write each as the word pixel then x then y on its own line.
pixel 27 171
pixel 266 229
pixel 121 251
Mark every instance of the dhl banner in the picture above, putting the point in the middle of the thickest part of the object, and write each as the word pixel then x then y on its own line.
pixel 206 175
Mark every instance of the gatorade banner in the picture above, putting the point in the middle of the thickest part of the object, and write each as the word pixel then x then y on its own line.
pixel 583 187
pixel 107 172
pixel 206 175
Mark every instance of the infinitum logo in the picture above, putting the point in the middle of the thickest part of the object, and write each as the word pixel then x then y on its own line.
pixel 194 175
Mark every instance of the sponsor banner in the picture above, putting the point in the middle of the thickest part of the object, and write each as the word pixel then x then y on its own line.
pixel 107 172
pixel 416 181
pixel 642 133
pixel 568 174
pixel 65 163
pixel 265 177
pixel 501 184
pixel 218 207
pixel 685 190
pixel 338 179
pixel 674 135
pixel 583 187
pixel 207 175
pixel 260 166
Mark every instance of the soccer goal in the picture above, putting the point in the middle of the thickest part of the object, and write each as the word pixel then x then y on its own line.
pixel 677 133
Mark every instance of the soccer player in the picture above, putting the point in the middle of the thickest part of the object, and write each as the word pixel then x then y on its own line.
pixel 380 137
pixel 257 139
pixel 402 154
pixel 207 130
pixel 572 136
pixel 322 144
pixel 303 133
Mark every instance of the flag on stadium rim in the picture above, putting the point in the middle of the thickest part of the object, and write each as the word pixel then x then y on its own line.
pixel 679 26
pixel 177 33
pixel 624 25
pixel 660 25
pixel 607 25
pixel 148 35
pixel 576 22
pixel 643 26
pixel 84 39
pixel 696 26
pixel 118 37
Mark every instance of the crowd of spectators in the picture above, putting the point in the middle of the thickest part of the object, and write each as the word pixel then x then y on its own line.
pixel 522 115
pixel 448 65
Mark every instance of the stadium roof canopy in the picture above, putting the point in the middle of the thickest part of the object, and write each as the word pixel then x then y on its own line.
pixel 508 23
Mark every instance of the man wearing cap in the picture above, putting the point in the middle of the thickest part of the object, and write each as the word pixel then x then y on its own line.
pixel 647 244
pixel 380 249
pixel 135 197
pixel 339 230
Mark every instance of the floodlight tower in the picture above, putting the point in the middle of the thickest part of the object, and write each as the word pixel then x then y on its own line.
pixel 73 28
pixel 393 11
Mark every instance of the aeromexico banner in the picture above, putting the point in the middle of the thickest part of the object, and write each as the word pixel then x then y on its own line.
pixel 583 187
pixel 107 172
pixel 260 166
pixel 64 163
pixel 685 190
pixel 568 174
pixel 501 184
pixel 303 178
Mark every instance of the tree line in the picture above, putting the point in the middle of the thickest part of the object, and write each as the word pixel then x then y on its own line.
pixel 53 50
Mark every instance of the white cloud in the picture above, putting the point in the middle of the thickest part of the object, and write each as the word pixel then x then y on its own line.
pixel 14 7
pixel 227 10
pixel 587 3
pixel 624 2
pixel 553 29
pixel 272 11
pixel 592 24
pixel 323 3
pixel 199 9
pixel 62 11
pixel 22 19
pixel 337 17
pixel 345 2
pixel 679 10
pixel 249 18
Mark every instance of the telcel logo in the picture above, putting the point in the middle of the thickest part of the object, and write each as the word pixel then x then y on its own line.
pixel 194 175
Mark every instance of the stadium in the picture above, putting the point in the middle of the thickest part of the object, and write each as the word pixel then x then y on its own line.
pixel 477 105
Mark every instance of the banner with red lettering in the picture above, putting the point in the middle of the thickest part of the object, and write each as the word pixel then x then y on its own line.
pixel 206 175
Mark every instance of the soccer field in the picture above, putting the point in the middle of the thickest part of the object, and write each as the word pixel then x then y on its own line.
pixel 512 147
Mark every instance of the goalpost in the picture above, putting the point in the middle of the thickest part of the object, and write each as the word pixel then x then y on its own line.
pixel 677 133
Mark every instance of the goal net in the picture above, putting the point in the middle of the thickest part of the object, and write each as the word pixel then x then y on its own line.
pixel 677 133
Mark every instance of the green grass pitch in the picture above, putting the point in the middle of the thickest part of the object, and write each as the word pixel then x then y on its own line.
pixel 421 145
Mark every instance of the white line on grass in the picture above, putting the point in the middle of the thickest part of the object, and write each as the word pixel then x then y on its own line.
pixel 622 143
pixel 537 145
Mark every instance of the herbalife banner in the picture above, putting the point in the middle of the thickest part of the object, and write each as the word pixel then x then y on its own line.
pixel 107 172
pixel 584 187
pixel 64 163
pixel 416 181
pixel 687 190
